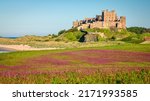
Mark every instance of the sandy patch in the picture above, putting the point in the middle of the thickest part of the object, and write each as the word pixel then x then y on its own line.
pixel 24 48
pixel 146 42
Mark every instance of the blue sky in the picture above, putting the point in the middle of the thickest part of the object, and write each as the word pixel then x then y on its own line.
pixel 43 17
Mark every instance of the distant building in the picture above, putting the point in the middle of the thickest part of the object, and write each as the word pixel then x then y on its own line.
pixel 108 19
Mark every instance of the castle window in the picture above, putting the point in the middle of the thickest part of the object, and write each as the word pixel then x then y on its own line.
pixel 116 25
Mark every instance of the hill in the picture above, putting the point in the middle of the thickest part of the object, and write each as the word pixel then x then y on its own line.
pixel 98 35
pixel 101 34
pixel 74 38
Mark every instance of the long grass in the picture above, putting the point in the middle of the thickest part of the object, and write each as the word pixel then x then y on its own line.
pixel 134 77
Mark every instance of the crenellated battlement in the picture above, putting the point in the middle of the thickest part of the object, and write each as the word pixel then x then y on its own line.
pixel 108 19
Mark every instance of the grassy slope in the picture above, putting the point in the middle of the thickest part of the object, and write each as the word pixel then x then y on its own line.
pixel 130 47
pixel 70 38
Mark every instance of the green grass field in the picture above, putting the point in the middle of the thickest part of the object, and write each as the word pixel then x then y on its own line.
pixel 114 64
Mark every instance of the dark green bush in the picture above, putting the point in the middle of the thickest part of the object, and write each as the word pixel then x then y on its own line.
pixel 61 32
pixel 73 36
pixel 138 30
pixel 134 39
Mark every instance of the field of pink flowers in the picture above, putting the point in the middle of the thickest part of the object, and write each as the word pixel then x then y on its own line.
pixel 80 66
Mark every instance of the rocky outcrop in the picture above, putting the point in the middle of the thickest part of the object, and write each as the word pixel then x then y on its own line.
pixel 91 38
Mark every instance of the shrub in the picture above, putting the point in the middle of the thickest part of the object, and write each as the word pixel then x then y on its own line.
pixel 138 30
pixel 133 39
pixel 73 36
pixel 101 39
pixel 72 30
pixel 61 32
pixel 54 35
pixel 145 35
pixel 58 40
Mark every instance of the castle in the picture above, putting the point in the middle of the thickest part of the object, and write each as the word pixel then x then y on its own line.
pixel 108 19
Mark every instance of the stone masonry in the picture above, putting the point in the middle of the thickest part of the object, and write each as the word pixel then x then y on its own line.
pixel 108 19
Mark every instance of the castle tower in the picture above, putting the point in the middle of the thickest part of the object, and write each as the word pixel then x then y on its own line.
pixel 123 21
pixel 109 15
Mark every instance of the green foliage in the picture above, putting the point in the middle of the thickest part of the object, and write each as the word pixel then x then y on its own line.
pixel 58 40
pixel 72 30
pixel 145 35
pixel 73 36
pixel 101 39
pixel 54 35
pixel 93 30
pixel 133 39
pixel 69 35
pixel 106 31
pixel 32 38
pixel 61 32
pixel 110 34
pixel 136 38
pixel 138 30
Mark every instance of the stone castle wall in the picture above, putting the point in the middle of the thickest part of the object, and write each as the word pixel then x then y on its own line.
pixel 108 19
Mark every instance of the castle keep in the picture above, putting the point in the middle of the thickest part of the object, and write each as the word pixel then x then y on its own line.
pixel 108 19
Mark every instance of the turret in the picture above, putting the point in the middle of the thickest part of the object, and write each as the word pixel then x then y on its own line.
pixel 75 24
